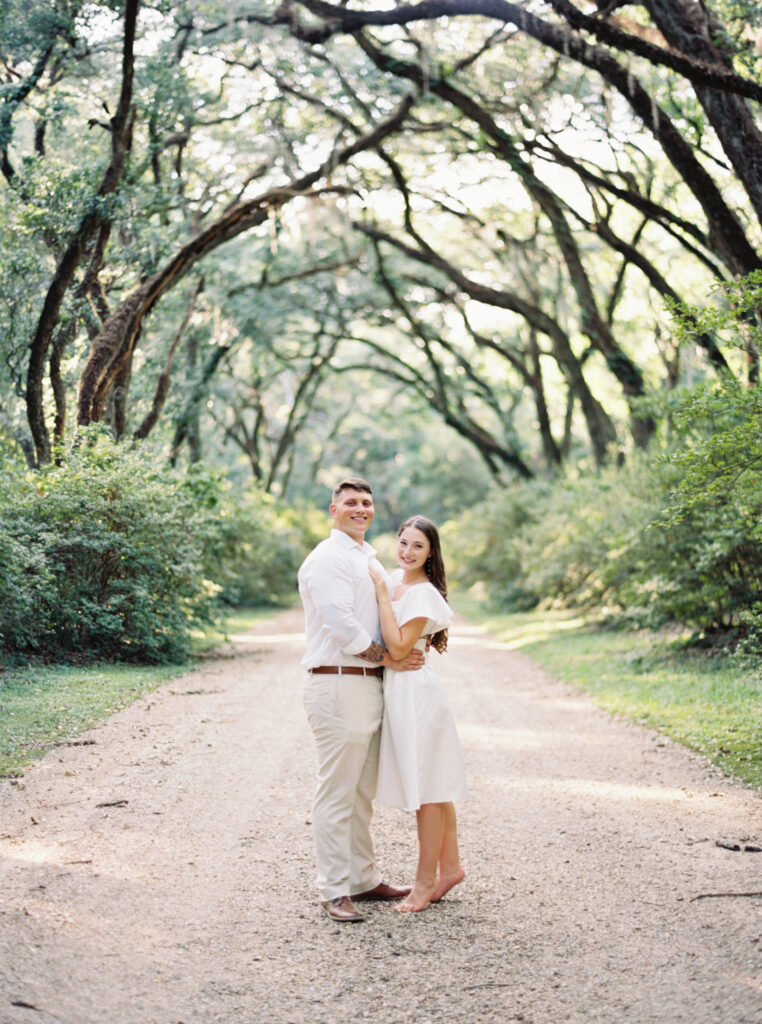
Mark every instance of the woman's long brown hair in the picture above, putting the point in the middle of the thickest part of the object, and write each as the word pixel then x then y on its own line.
pixel 435 569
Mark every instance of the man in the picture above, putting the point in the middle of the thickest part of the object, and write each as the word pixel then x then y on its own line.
pixel 344 702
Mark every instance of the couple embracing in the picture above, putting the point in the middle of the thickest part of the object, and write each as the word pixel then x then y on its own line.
pixel 368 637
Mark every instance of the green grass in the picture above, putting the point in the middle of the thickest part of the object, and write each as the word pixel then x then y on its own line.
pixel 41 707
pixel 709 703
pixel 44 706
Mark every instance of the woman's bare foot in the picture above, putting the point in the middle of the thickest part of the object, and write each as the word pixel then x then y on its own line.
pixel 445 883
pixel 418 898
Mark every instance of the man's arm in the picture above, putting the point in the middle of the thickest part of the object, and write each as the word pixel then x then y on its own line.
pixel 330 587
pixel 328 583
pixel 377 654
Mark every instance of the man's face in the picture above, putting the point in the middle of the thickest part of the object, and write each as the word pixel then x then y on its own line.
pixel 352 513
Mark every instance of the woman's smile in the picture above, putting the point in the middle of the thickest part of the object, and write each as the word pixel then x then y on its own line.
pixel 413 549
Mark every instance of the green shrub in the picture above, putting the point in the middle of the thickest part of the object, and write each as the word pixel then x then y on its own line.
pixel 485 549
pixel 711 563
pixel 259 549
pixel 652 542
pixel 24 579
pixel 112 555
pixel 565 541
pixel 672 536
pixel 710 549
pixel 578 551
pixel 105 556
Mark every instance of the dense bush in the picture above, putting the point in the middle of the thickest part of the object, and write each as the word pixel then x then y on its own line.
pixel 642 542
pixel 674 535
pixel 485 546
pixel 259 549
pixel 710 562
pixel 567 542
pixel 112 555
pixel 711 553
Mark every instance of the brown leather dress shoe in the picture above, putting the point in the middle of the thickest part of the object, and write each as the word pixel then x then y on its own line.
pixel 383 891
pixel 342 909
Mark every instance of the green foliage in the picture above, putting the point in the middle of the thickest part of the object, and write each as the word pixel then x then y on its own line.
pixel 107 548
pixel 670 537
pixel 111 555
pixel 213 126
pixel 259 549
pixel 655 541
pixel 484 547
pixel 568 542
pixel 713 561
pixel 733 318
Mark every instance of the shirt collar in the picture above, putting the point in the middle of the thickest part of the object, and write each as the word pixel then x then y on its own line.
pixel 338 536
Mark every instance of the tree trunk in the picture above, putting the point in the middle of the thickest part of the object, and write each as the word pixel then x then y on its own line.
pixel 187 422
pixel 90 224
pixel 162 386
pixel 550 448
pixel 121 392
pixel 690 28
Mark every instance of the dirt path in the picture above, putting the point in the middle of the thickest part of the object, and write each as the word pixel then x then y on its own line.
pixel 163 873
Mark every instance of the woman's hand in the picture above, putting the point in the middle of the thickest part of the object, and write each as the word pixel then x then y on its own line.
pixel 400 642
pixel 379 578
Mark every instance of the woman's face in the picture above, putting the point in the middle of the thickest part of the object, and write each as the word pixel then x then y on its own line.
pixel 413 549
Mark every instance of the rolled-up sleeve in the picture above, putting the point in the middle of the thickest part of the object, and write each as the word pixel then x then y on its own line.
pixel 328 584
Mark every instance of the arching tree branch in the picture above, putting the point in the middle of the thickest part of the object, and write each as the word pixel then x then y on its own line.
pixel 120 333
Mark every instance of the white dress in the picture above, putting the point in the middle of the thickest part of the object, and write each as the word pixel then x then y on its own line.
pixel 420 761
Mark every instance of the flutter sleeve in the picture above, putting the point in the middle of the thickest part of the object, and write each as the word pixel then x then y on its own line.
pixel 425 601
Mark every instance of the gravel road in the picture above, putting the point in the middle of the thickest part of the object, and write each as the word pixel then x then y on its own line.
pixel 161 871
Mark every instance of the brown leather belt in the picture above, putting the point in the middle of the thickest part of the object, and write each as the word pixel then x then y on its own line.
pixel 346 670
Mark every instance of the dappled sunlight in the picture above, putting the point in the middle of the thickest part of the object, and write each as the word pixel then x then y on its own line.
pixel 535 632
pixel 566 703
pixel 543 630
pixel 459 630
pixel 594 789
pixel 491 737
pixel 34 853
pixel 268 638
pixel 31 852
pixel 482 641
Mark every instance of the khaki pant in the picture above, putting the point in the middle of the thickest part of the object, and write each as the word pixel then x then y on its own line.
pixel 344 712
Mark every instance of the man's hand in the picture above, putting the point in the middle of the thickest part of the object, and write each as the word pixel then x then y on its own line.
pixel 412 661
pixel 378 655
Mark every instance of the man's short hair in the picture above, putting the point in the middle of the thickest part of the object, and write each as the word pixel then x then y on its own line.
pixel 352 483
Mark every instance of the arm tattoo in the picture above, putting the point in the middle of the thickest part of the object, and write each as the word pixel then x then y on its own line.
pixel 374 653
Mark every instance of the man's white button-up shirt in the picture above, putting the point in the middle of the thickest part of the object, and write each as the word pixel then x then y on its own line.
pixel 339 598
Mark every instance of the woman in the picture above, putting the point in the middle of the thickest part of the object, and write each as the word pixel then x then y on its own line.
pixel 420 764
